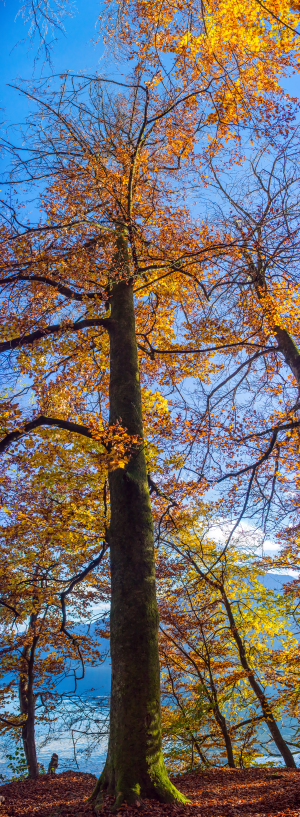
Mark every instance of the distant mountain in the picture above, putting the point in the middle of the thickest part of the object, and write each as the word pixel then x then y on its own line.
pixel 275 581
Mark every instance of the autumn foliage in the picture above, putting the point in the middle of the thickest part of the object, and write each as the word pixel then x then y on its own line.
pixel 150 336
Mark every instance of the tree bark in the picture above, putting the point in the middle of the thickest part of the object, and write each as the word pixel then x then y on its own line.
pixel 27 707
pixel 286 345
pixel 219 717
pixel 289 350
pixel 263 701
pixel 134 766
pixel 227 740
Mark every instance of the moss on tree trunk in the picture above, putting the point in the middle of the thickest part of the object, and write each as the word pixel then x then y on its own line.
pixel 134 767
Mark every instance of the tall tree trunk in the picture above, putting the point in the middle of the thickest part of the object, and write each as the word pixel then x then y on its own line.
pixel 27 708
pixel 134 766
pixel 263 701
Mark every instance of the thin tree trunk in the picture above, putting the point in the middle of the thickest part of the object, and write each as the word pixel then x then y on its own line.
pixel 263 701
pixel 227 740
pixel 219 717
pixel 201 755
pixel 28 738
pixel 134 767
pixel 27 708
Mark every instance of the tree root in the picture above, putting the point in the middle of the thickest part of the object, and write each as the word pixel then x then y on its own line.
pixel 158 787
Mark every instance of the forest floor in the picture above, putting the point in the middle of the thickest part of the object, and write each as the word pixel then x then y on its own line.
pixel 214 793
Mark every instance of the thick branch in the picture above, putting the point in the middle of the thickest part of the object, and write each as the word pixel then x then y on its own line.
pixel 79 578
pixel 55 328
pixel 256 434
pixel 61 288
pixel 9 607
pixel 17 724
pixel 264 457
pixel 67 425
pixel 153 488
pixel 153 351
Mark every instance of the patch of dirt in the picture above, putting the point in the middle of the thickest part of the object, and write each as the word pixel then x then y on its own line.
pixel 214 793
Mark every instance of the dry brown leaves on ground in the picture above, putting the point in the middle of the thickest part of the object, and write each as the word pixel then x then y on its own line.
pixel 214 793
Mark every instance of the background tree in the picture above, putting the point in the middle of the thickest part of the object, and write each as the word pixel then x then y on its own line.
pixel 226 640
pixel 208 716
pixel 240 417
pixel 49 546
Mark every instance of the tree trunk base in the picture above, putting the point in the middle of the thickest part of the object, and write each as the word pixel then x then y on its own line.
pixel 129 789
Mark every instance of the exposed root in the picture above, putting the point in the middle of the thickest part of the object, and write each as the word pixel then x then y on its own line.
pixel 159 788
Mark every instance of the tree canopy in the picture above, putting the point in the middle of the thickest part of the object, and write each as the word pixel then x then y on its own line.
pixel 153 340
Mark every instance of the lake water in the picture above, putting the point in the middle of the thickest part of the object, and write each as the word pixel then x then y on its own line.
pixel 84 745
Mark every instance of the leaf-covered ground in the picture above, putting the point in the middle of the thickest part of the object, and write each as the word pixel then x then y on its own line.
pixel 219 792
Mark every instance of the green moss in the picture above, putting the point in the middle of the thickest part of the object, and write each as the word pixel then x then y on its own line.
pixel 157 786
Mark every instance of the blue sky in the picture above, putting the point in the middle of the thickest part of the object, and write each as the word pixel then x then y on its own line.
pixel 76 50
pixel 73 51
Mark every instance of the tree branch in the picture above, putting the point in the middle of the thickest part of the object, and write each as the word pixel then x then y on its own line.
pixel 11 723
pixel 76 580
pixel 55 328
pixel 61 288
pixel 257 463
pixel 67 425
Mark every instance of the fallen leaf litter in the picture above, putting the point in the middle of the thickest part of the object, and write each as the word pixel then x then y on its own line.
pixel 214 793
